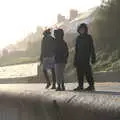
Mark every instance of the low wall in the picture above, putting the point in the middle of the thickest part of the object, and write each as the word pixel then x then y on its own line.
pixel 107 77
pixel 30 79
pixel 39 78
pixel 98 77
pixel 49 105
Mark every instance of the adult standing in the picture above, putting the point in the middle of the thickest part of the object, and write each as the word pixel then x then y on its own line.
pixel 61 55
pixel 84 56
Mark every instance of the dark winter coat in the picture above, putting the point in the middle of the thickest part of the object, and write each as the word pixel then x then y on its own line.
pixel 61 51
pixel 47 47
pixel 84 50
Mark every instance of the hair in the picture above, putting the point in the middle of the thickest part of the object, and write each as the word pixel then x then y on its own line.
pixel 47 32
pixel 83 25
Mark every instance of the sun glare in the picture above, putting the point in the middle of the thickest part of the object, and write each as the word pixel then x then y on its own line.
pixel 20 17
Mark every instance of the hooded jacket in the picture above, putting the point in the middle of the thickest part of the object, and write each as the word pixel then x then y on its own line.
pixel 61 51
pixel 47 47
pixel 84 50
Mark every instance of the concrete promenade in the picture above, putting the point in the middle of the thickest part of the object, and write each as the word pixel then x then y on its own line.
pixel 33 102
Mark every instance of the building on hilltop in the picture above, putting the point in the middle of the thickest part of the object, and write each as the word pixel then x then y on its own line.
pixel 60 18
pixel 70 26
pixel 73 14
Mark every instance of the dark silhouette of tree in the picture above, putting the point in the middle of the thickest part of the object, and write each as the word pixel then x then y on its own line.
pixel 106 26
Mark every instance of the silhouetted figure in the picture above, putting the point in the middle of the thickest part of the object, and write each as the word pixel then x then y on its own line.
pixel 84 55
pixel 47 57
pixel 61 55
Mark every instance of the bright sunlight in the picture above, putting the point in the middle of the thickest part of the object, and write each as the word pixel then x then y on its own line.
pixel 20 17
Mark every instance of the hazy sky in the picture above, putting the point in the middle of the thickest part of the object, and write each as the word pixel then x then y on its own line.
pixel 19 17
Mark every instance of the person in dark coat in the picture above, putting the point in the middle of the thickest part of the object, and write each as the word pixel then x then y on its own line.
pixel 47 57
pixel 84 56
pixel 61 56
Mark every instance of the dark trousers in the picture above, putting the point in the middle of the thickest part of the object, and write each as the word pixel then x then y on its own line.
pixel 84 71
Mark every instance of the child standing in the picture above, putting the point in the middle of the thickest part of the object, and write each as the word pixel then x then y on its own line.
pixel 47 57
pixel 61 55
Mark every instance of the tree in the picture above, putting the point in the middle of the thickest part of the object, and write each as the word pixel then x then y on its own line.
pixel 107 25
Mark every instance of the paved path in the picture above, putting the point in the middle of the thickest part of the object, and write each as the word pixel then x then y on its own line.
pixel 107 88
pixel 104 104
pixel 22 70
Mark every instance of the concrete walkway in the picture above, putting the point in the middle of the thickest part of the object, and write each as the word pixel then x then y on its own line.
pixel 108 88
pixel 34 102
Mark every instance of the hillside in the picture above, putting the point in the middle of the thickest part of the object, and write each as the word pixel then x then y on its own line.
pixel 103 23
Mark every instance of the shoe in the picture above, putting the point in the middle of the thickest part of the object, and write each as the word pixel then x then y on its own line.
pixel 78 89
pixel 48 85
pixel 53 87
pixel 58 88
pixel 90 88
pixel 63 88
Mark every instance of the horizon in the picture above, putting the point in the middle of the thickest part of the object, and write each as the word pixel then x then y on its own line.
pixel 21 17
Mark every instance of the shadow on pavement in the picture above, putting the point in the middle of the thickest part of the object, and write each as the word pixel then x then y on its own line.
pixel 97 92
pixel 107 92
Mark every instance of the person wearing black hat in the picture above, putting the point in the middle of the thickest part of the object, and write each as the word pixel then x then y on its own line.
pixel 47 57
pixel 84 56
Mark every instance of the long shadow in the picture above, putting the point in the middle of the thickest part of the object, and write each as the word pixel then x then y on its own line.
pixel 97 92
pixel 107 92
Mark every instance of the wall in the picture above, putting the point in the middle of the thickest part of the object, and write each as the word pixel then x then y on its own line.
pixel 58 106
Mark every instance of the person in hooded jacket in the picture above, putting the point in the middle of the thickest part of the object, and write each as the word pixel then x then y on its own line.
pixel 84 56
pixel 47 57
pixel 61 56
